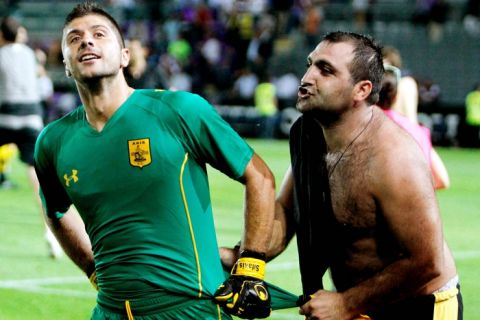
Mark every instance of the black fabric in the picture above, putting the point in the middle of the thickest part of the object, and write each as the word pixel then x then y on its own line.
pixel 312 204
pixel 419 308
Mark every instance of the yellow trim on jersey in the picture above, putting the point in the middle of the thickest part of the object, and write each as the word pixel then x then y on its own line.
pixel 129 310
pixel 192 234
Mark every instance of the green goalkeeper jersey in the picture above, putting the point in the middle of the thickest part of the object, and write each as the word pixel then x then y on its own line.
pixel 141 188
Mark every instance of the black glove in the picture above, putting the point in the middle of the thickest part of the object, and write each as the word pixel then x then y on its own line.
pixel 245 294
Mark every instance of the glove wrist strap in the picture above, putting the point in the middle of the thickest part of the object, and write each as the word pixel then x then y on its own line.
pixel 250 267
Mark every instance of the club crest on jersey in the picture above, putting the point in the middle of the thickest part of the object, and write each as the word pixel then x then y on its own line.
pixel 139 152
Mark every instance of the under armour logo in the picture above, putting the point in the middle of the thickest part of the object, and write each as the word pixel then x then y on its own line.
pixel 70 178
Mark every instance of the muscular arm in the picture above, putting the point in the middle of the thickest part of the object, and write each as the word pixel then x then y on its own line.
pixel 400 184
pixel 70 232
pixel 259 205
pixel 407 201
pixel 282 225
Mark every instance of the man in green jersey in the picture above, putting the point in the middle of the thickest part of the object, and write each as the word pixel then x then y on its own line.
pixel 134 165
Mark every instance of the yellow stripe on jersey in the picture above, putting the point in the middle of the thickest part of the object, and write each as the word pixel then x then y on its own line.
pixel 129 310
pixel 192 234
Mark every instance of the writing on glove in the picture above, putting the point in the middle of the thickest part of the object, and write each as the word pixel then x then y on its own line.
pixel 245 294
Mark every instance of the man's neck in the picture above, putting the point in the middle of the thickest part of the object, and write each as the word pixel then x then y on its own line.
pixel 102 100
pixel 347 129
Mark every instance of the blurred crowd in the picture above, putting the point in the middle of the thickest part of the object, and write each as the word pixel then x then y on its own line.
pixel 222 49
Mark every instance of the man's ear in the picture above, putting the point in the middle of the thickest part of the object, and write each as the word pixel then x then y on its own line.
pixel 125 58
pixel 362 90
pixel 68 73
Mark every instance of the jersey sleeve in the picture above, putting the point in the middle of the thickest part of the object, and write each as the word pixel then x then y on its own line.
pixel 54 198
pixel 210 138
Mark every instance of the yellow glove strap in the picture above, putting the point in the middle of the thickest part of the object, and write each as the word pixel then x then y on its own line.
pixel 93 280
pixel 250 267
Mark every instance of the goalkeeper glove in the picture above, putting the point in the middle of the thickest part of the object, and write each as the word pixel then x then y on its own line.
pixel 244 293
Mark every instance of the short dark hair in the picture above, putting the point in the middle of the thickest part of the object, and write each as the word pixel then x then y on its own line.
pixel 367 63
pixel 89 8
pixel 9 28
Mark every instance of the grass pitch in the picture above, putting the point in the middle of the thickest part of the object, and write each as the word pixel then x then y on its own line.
pixel 33 286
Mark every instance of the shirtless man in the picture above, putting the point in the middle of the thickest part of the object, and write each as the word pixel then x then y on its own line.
pixel 357 205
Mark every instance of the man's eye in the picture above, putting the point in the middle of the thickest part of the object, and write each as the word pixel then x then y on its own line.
pixel 74 39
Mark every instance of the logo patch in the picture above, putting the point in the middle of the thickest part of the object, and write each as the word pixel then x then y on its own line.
pixel 73 177
pixel 139 152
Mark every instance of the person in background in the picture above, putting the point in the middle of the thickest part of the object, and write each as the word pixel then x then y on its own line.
pixel 139 73
pixel 134 164
pixel 406 102
pixel 471 132
pixel 7 153
pixel 45 85
pixel 20 109
pixel 266 103
pixel 360 199
pixel 420 133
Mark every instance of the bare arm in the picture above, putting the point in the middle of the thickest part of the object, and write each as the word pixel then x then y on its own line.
pixel 406 200
pixel 70 232
pixel 259 205
pixel 282 226
pixel 439 171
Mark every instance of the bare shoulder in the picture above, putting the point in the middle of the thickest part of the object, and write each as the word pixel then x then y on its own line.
pixel 396 160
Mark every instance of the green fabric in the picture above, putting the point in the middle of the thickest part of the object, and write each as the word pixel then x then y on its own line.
pixel 189 310
pixel 472 103
pixel 281 298
pixel 142 189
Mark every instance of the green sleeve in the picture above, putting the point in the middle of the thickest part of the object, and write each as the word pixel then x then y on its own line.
pixel 52 193
pixel 209 137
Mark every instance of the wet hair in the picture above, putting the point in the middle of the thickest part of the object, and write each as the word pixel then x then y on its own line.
pixel 9 28
pixel 367 62
pixel 388 92
pixel 92 8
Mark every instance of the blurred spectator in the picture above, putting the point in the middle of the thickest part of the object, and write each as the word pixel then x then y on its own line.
pixel 20 110
pixel 281 9
pixel 362 16
pixel 406 102
pixel 433 14
pixel 471 132
pixel 471 17
pixel 287 87
pixel 243 88
pixel 180 49
pixel 139 73
pixel 45 84
pixel 267 106
pixel 428 94
pixel 7 153
pixel 311 24
pixel 421 134
pixel 260 48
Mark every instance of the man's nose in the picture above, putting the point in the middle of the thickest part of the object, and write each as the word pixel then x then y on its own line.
pixel 87 41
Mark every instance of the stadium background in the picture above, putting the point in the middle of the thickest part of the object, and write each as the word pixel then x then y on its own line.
pixel 34 287
pixel 439 45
